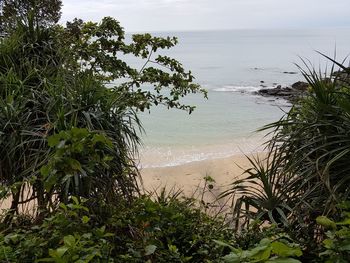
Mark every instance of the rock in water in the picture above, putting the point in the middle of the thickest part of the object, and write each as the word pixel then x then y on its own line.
pixel 288 93
pixel 300 85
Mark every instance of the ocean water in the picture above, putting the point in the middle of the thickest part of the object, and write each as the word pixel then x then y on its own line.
pixel 231 65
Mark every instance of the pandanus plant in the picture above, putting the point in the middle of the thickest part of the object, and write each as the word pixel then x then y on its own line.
pixel 307 169
pixel 56 80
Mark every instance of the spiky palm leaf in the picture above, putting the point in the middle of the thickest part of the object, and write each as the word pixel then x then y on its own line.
pixel 40 97
pixel 266 192
pixel 314 140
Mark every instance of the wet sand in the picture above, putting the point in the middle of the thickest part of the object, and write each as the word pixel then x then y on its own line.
pixel 191 175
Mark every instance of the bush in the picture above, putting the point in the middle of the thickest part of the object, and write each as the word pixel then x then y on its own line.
pixel 306 171
pixel 168 230
pixel 57 80
pixel 336 245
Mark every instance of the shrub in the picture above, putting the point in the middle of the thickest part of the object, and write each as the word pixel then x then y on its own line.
pixel 159 231
pixel 54 80
pixel 336 245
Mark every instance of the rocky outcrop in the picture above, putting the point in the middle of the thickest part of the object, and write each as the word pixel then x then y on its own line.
pixel 300 85
pixel 289 93
pixel 293 92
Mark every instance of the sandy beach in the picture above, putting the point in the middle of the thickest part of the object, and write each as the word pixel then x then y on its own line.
pixel 189 176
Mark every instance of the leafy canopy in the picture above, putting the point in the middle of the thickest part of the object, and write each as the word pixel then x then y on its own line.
pixel 58 81
pixel 46 12
pixel 103 50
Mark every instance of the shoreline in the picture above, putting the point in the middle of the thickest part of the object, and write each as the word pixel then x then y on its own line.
pixel 172 155
pixel 189 177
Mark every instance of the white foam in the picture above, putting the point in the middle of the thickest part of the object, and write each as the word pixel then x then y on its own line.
pixel 240 89
pixel 153 157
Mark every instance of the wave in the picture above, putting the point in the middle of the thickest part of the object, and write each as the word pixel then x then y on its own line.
pixel 153 157
pixel 185 158
pixel 241 89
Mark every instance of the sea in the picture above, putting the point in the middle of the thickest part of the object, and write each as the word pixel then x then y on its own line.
pixel 232 65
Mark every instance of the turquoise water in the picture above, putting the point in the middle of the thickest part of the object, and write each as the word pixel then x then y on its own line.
pixel 231 65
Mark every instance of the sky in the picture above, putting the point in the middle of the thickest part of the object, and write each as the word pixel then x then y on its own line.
pixel 187 15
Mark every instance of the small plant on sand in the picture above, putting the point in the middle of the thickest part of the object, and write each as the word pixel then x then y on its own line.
pixel 265 193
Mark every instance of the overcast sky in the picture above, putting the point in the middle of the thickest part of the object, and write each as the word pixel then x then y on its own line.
pixel 180 15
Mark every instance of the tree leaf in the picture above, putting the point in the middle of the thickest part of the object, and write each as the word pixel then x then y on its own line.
pixel 53 140
pixel 232 258
pixel 69 240
pixel 85 219
pixel 326 222
pixel 61 250
pixel 150 249
pixel 45 170
pixel 283 260
pixel 284 250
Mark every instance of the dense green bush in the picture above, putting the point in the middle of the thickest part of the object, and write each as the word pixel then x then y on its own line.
pixel 314 143
pixel 57 80
pixel 69 138
pixel 336 245
pixel 307 168
pixel 167 230
pixel 267 250
pixel 70 234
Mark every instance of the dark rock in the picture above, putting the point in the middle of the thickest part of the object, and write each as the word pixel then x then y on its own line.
pixel 270 92
pixel 300 85
pixel 288 93
pixel 263 91
pixel 261 81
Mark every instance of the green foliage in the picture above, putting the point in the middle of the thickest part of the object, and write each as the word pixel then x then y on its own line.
pixel 46 12
pixel 251 234
pixel 167 230
pixel 70 235
pixel 101 49
pixel 79 165
pixel 257 243
pixel 57 81
pixel 314 142
pixel 267 193
pixel 266 250
pixel 337 244
pixel 177 230
pixel 306 171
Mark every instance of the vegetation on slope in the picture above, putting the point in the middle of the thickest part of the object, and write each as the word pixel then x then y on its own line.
pixel 68 149
pixel 55 80
pixel 306 173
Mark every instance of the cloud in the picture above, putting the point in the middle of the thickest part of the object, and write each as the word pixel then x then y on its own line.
pixel 169 15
